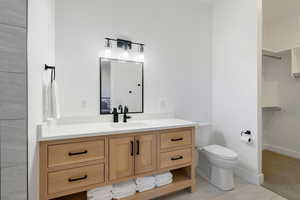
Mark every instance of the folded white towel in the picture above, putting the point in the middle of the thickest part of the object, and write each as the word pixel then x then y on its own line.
pixel 110 197
pixel 163 179
pixel 164 176
pixel 143 188
pixel 124 187
pixel 145 185
pixel 123 195
pixel 145 180
pixel 105 189
pixel 100 195
pixel 162 183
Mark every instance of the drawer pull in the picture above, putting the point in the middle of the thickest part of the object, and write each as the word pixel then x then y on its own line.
pixel 177 158
pixel 78 179
pixel 176 139
pixel 131 153
pixel 78 153
pixel 138 147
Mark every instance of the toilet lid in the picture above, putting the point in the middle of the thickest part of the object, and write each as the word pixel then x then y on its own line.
pixel 221 151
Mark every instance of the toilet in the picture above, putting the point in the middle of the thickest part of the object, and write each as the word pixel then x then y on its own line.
pixel 222 162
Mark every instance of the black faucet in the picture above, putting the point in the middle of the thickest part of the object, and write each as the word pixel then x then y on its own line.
pixel 116 115
pixel 125 117
pixel 120 107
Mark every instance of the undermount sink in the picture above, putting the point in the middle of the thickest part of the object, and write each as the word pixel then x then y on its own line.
pixel 127 125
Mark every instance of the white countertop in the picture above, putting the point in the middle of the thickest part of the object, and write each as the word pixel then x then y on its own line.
pixel 108 128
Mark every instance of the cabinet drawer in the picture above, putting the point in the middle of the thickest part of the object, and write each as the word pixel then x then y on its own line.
pixel 75 178
pixel 176 138
pixel 64 154
pixel 174 158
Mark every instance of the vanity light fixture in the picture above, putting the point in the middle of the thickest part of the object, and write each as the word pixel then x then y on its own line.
pixel 126 45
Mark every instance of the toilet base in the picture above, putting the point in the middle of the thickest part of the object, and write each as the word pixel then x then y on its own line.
pixel 222 178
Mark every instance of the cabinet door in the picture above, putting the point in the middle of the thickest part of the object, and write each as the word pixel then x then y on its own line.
pixel 146 153
pixel 121 157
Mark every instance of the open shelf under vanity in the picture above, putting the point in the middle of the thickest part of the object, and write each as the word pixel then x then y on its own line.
pixel 180 181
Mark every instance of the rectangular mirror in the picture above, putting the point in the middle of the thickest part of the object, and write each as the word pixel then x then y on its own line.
pixel 121 83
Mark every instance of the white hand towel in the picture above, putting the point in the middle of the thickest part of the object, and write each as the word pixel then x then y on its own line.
pixel 46 103
pixel 55 100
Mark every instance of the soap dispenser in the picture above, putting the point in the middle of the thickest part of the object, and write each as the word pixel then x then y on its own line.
pixel 116 115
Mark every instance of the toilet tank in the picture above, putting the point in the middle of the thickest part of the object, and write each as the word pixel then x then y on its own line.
pixel 204 135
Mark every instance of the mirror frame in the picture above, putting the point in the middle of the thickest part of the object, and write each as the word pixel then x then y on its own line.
pixel 125 61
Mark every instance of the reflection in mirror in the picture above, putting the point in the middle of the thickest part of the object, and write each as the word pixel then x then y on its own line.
pixel 121 83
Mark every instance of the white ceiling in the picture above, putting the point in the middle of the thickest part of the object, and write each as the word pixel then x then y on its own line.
pixel 274 10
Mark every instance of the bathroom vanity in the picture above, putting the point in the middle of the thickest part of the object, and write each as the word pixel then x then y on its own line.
pixel 76 158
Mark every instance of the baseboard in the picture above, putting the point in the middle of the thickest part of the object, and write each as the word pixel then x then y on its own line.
pixel 244 174
pixel 249 175
pixel 281 150
pixel 201 174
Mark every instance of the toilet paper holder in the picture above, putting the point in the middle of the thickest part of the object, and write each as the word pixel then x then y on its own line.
pixel 247 132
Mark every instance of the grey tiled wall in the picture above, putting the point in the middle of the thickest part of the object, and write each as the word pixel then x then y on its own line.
pixel 13 99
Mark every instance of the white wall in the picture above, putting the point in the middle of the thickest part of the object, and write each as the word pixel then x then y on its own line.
pixel 282 34
pixel 40 52
pixel 281 24
pixel 178 54
pixel 235 80
pixel 177 35
pixel 281 128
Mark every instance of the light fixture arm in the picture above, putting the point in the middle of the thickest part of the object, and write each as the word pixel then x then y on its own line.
pixel 126 44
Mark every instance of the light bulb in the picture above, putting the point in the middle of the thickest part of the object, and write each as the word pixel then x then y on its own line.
pixel 125 54
pixel 141 57
pixel 107 52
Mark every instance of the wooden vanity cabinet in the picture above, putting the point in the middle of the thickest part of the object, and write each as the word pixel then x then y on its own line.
pixel 146 154
pixel 121 157
pixel 131 155
pixel 71 166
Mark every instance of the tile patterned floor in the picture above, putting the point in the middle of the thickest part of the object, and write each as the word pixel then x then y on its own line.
pixel 282 174
pixel 242 191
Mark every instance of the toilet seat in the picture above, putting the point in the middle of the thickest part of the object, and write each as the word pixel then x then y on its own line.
pixel 221 152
